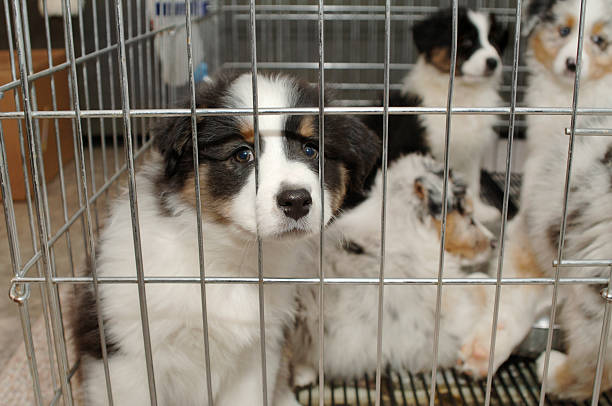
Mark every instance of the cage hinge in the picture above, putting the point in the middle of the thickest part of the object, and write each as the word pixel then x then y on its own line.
pixel 19 292
pixel 606 294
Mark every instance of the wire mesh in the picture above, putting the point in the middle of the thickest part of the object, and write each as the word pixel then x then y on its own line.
pixel 118 85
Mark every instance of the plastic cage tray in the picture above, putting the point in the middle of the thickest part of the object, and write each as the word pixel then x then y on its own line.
pixel 515 383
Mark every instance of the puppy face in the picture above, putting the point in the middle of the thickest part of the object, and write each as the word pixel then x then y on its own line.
pixel 480 43
pixel 552 26
pixel 286 200
pixel 466 238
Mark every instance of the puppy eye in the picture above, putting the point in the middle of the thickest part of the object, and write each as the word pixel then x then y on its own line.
pixel 467 43
pixel 564 31
pixel 599 41
pixel 310 150
pixel 244 155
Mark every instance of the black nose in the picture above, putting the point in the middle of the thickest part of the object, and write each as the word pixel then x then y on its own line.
pixel 493 244
pixel 491 63
pixel 571 64
pixel 294 203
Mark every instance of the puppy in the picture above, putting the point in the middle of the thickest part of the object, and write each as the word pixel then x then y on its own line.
pixel 285 207
pixel 352 249
pixel 533 237
pixel 552 33
pixel 480 44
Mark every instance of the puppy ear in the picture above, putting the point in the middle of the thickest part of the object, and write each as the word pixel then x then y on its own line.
pixel 433 32
pixel 419 189
pixel 172 138
pixel 421 32
pixel 499 35
pixel 357 147
pixel 534 12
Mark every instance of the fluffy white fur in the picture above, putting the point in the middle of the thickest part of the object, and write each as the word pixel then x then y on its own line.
pixel 470 134
pixel 533 238
pixel 552 86
pixel 169 248
pixel 412 251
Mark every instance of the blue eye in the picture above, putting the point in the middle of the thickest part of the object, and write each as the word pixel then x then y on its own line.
pixel 310 151
pixel 564 31
pixel 244 155
pixel 599 41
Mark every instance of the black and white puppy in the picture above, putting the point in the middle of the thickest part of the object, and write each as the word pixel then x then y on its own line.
pixel 480 44
pixel 285 205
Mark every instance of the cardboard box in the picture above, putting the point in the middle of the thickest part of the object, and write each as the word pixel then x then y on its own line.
pixel 10 127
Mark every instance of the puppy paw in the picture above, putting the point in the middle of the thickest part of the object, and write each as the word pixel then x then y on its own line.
pixel 474 357
pixel 485 213
pixel 304 375
pixel 557 360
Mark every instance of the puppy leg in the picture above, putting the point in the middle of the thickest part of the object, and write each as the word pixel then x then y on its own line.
pixel 482 211
pixel 569 377
pixel 519 307
pixel 244 386
pixel 128 382
pixel 304 375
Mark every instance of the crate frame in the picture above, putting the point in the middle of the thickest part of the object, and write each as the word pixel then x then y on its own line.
pixel 136 118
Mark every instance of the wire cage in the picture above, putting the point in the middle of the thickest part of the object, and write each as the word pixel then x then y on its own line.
pixel 78 127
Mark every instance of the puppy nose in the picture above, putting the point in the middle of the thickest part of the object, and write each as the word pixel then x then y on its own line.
pixel 493 243
pixel 295 203
pixel 571 64
pixel 491 63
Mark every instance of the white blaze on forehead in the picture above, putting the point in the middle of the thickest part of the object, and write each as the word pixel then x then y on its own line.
pixel 272 92
pixel 476 65
pixel 483 25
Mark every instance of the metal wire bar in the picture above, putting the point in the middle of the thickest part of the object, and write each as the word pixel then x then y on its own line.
pixel 569 263
pixel 316 280
pixel 111 74
pixel 82 176
pixel 141 71
pixel 13 239
pixel 95 196
pixel 30 210
pixel 93 55
pixel 60 345
pixel 502 233
pixel 570 154
pixel 62 192
pixel 149 62
pixel 383 209
pixel 202 112
pixel 92 166
pixel 321 332
pixel 257 141
pixel 94 11
pixel 337 66
pixel 129 156
pixel 601 132
pixel 57 139
pixel 451 85
pixel 603 343
pixel 130 59
pixel 196 170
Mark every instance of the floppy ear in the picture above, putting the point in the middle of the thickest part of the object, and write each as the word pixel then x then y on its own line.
pixel 419 189
pixel 427 35
pixel 499 35
pixel 536 11
pixel 356 146
pixel 172 138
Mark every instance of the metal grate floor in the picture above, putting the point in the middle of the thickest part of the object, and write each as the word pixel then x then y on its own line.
pixel 515 383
